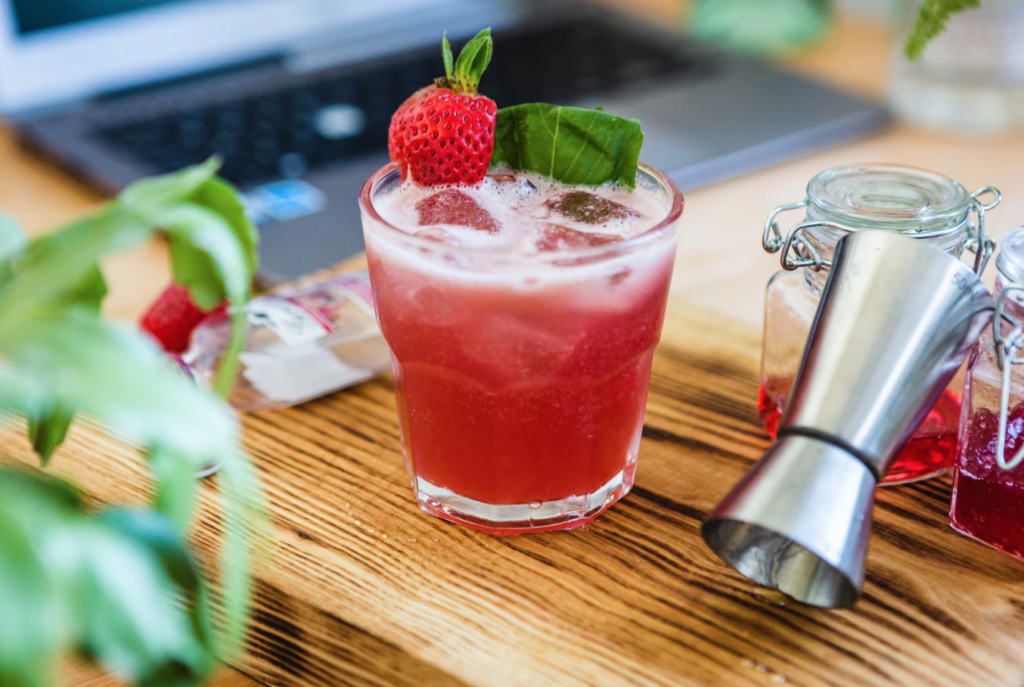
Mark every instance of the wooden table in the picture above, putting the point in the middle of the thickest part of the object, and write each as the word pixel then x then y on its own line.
pixel 365 590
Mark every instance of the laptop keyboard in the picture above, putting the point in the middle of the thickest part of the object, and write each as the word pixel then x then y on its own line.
pixel 333 116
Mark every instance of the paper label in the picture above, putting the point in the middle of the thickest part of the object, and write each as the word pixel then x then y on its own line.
pixel 293 324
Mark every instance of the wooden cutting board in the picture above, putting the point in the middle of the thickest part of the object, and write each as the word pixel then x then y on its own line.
pixel 366 590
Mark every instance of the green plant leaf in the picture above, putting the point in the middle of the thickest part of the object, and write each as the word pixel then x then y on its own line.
pixel 205 257
pixel 446 55
pixel 220 197
pixel 176 482
pixel 30 631
pixel 12 243
pixel 931 21
pixel 34 625
pixel 159 536
pixel 569 144
pixel 152 195
pixel 473 60
pixel 114 373
pixel 89 292
pixel 12 238
pixel 56 356
pixel 126 616
pixel 119 586
pixel 47 428
pixel 65 262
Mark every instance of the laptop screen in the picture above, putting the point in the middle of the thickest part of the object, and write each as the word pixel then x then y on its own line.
pixel 38 15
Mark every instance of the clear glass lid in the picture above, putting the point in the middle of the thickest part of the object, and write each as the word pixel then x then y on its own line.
pixel 891 197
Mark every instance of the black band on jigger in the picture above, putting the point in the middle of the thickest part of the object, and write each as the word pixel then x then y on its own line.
pixel 835 441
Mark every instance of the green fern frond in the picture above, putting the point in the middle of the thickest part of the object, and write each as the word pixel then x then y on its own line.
pixel 931 21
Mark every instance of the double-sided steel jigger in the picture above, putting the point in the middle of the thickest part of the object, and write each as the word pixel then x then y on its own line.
pixel 896 320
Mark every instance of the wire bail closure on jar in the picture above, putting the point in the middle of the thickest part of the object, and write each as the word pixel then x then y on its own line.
pixel 797 251
pixel 1007 346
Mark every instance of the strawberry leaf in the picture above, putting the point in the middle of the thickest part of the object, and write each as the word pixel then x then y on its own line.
pixel 446 54
pixel 572 145
pixel 472 62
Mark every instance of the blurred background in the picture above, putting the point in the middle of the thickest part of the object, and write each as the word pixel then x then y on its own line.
pixel 742 102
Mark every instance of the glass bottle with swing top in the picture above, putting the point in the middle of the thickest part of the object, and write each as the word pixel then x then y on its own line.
pixel 927 206
pixel 988 485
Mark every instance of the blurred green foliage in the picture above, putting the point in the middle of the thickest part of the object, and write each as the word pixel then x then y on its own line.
pixel 120 586
pixel 931 21
pixel 760 27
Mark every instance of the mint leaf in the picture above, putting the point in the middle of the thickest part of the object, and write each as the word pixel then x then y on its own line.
pixel 115 374
pixel 205 258
pixel 176 486
pixel 47 429
pixel 56 357
pixel 127 619
pixel 245 542
pixel 572 145
pixel 12 242
pixel 89 292
pixel 120 587
pixel 30 633
pixel 931 21
pixel 65 262
pixel 151 195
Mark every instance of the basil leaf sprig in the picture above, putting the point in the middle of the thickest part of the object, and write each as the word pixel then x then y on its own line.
pixel 58 358
pixel 573 145
pixel 931 21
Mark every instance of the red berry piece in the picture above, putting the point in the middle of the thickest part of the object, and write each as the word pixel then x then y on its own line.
pixel 587 208
pixel 452 206
pixel 172 317
pixel 444 133
pixel 555 237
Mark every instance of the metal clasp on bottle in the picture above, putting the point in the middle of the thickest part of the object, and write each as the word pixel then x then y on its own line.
pixel 1007 346
pixel 975 240
pixel 798 251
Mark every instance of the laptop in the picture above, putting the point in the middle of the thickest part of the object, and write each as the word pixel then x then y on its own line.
pixel 297 95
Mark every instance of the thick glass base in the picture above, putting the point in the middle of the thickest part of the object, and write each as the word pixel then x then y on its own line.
pixel 519 518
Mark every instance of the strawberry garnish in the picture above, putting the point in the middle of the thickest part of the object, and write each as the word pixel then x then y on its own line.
pixel 444 133
pixel 172 317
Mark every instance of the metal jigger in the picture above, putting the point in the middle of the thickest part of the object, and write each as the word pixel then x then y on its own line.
pixel 896 320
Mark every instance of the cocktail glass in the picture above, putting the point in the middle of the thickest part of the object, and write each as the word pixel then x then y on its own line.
pixel 521 379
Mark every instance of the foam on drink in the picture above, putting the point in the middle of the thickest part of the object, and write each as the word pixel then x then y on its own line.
pixel 521 213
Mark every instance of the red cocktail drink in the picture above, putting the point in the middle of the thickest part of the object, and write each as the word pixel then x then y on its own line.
pixel 522 319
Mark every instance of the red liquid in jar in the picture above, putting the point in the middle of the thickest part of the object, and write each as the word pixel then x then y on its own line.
pixel 931 451
pixel 988 503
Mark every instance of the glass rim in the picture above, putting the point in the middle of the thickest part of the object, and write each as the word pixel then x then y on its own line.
pixel 587 254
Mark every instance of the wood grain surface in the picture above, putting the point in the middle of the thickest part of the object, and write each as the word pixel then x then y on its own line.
pixel 365 590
